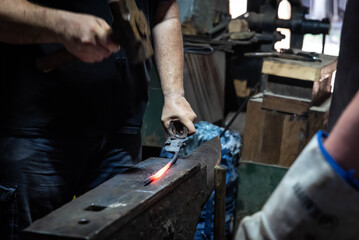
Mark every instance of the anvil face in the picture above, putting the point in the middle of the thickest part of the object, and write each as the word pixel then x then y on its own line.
pixel 123 208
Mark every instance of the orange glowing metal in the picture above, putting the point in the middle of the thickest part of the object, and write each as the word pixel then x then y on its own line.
pixel 173 144
pixel 160 172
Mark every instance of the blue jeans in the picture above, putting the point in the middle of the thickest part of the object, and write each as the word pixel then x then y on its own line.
pixel 38 175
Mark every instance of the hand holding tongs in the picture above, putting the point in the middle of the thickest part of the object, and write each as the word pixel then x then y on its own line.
pixel 176 140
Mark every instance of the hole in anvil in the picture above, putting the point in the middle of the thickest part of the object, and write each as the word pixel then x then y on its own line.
pixel 83 221
pixel 95 208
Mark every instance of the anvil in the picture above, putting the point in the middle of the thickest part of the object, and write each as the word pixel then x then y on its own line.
pixel 123 208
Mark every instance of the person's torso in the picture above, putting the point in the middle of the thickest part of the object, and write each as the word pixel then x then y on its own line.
pixel 77 97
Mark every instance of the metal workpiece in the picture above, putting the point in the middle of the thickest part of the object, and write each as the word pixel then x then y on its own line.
pixel 123 208
pixel 176 140
pixel 174 145
pixel 300 57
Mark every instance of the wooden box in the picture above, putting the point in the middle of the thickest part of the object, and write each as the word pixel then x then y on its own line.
pixel 294 86
pixel 274 137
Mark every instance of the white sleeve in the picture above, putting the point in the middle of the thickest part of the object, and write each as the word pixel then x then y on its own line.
pixel 311 202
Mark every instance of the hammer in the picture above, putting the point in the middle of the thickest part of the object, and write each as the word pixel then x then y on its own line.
pixel 130 30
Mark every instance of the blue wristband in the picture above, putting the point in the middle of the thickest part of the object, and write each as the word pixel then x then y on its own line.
pixel 346 175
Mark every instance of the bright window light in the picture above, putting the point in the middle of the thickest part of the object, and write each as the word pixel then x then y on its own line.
pixel 237 7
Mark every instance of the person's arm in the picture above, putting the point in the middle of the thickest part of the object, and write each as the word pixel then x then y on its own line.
pixel 318 196
pixel 86 37
pixel 169 60
pixel 342 143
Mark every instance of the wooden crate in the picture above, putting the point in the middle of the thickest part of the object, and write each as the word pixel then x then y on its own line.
pixel 307 71
pixel 294 86
pixel 273 137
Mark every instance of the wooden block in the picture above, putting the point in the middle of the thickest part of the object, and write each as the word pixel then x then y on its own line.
pixel 272 137
pixel 309 71
pixel 294 138
pixel 285 104
pixel 188 28
pixel 322 91
pixel 318 118
pixel 289 87
pixel 241 88
pixel 316 92
pixel 238 25
pixel 270 147
pixel 253 129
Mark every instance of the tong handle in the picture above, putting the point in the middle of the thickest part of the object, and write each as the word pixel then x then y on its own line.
pixel 177 130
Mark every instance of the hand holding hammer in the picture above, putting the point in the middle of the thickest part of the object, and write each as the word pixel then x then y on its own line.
pixel 95 40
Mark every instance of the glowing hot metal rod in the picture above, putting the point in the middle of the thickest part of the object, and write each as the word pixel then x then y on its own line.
pixel 176 140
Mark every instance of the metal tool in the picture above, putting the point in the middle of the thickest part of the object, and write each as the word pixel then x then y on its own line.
pixel 176 140
pixel 130 29
pixel 293 56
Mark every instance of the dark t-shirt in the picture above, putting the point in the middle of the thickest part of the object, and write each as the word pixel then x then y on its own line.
pixel 78 98
pixel 346 81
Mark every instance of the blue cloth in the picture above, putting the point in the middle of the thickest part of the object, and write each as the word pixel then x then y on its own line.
pixel 346 175
pixel 231 144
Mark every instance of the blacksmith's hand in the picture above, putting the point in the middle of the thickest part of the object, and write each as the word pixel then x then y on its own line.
pixel 176 108
pixel 87 37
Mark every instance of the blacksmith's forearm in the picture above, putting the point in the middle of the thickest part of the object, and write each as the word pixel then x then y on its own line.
pixel 22 22
pixel 169 52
